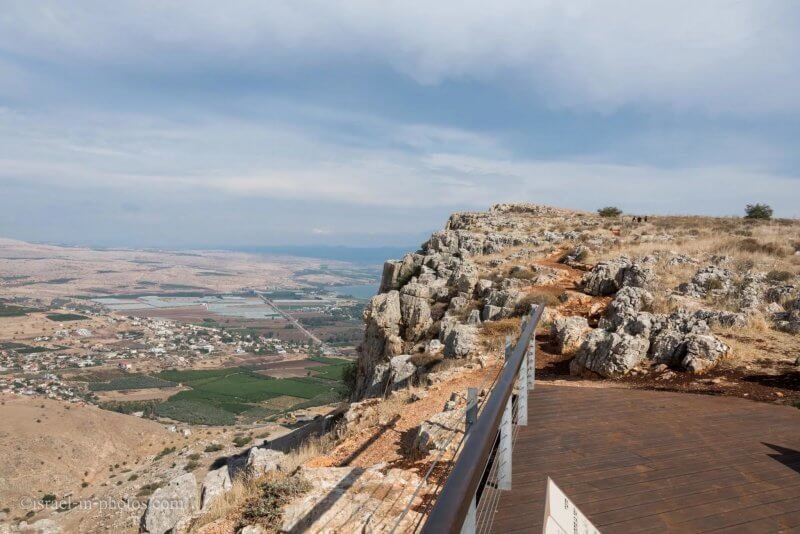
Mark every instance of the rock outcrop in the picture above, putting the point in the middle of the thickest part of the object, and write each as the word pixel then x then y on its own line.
pixel 608 277
pixel 568 333
pixel 216 484
pixel 171 504
pixel 629 337
pixel 261 460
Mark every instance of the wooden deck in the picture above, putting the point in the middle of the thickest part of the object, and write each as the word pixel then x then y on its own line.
pixel 647 461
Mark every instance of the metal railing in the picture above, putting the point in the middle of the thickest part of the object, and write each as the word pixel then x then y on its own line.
pixel 467 502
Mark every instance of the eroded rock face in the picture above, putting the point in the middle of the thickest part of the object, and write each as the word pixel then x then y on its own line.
pixel 568 333
pixel 459 340
pixel 390 375
pixel 416 314
pixel 382 316
pixel 171 504
pixel 609 354
pixel 216 483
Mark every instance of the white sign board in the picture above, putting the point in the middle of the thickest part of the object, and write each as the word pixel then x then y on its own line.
pixel 561 516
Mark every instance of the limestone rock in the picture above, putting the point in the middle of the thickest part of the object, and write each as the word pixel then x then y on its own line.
pixel 261 460
pixel 465 278
pixel 216 483
pixel 609 354
pixel 606 277
pixel 710 279
pixel 382 317
pixel 703 352
pixel 42 526
pixel 441 431
pixel 667 347
pixel 171 504
pixel 416 317
pixel 459 341
pixel 568 333
pixel 576 256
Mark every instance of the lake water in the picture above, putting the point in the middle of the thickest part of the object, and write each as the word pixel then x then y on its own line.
pixel 363 291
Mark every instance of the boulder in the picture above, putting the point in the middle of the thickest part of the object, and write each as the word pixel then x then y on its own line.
pixel 171 504
pixel 261 460
pixel 459 341
pixel 216 483
pixel 465 278
pixel 441 431
pixel 568 333
pixel 667 347
pixel 710 279
pixel 609 354
pixel 606 277
pixel 576 256
pixel 474 318
pixel 703 352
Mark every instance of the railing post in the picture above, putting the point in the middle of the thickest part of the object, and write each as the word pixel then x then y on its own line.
pixel 469 525
pixel 504 451
pixel 472 408
pixel 522 387
pixel 530 357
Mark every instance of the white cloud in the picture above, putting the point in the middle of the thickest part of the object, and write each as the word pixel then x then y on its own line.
pixel 717 56
pixel 445 168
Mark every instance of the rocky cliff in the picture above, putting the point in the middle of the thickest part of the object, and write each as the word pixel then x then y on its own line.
pixel 624 295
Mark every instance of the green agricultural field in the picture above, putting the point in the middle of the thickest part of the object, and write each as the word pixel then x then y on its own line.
pixel 238 393
pixel 132 381
pixel 7 310
pixel 63 317
pixel 330 372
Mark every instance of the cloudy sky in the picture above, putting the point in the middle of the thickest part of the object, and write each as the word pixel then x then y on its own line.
pixel 208 123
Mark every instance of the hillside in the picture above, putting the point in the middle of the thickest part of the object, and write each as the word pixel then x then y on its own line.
pixel 689 304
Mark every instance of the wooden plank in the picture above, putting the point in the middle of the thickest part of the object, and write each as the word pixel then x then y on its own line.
pixel 636 461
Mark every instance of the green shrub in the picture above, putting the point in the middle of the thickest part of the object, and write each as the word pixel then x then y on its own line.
pixel 241 441
pixel 214 447
pixel 609 211
pixel 758 211
pixel 48 498
pixel 148 489
pixel 165 451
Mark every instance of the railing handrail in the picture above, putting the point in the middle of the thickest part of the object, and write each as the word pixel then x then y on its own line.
pixel 453 503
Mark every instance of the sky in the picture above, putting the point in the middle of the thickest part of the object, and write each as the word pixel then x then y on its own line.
pixel 210 124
